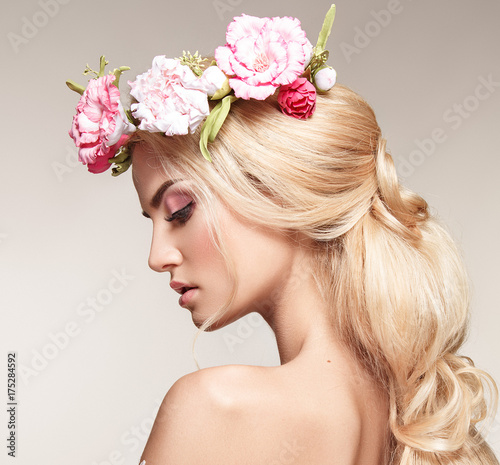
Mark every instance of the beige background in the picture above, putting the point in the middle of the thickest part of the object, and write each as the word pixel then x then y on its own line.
pixel 65 234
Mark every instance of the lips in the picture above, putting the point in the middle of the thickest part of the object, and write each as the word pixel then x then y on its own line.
pixel 181 288
pixel 186 297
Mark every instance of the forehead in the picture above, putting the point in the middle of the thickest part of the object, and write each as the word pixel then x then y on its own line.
pixel 152 178
pixel 148 175
pixel 147 171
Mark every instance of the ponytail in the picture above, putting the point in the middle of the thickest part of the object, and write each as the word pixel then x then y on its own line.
pixel 401 299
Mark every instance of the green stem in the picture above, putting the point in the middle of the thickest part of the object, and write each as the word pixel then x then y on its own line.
pixel 118 72
pixel 102 65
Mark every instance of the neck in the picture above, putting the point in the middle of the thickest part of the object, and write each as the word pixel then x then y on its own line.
pixel 301 320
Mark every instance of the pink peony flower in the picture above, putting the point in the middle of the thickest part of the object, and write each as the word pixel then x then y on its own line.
pixel 298 99
pixel 262 54
pixel 171 98
pixel 100 126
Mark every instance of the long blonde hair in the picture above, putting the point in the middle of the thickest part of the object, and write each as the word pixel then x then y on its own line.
pixel 392 276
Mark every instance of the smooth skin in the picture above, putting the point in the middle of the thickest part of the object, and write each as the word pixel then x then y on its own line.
pixel 318 407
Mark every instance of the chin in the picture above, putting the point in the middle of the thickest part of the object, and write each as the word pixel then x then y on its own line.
pixel 220 323
pixel 213 327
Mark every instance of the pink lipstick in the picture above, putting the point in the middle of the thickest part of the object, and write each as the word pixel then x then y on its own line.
pixel 187 292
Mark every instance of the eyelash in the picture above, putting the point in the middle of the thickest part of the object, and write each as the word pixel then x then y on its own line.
pixel 182 215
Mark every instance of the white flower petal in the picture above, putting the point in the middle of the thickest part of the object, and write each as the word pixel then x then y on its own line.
pixel 171 98
pixel 214 79
pixel 325 79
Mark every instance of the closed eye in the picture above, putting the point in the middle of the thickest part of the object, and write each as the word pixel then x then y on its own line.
pixel 182 215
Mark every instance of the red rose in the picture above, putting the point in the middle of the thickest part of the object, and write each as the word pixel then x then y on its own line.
pixel 298 99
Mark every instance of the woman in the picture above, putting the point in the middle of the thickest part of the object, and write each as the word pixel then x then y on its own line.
pixel 298 216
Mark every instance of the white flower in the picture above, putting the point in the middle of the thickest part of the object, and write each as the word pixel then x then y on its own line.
pixel 308 50
pixel 214 79
pixel 325 79
pixel 171 98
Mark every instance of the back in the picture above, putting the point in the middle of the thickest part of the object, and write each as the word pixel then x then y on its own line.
pixel 256 415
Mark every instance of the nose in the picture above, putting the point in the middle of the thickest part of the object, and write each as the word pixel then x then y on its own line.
pixel 164 255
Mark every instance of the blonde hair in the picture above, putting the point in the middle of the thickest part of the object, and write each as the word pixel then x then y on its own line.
pixel 392 276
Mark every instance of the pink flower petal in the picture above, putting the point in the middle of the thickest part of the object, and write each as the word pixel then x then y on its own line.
pixel 246 92
pixel 222 55
pixel 246 52
pixel 308 51
pixel 171 98
pixel 240 70
pixel 100 121
pixel 272 45
pixel 279 51
pixel 295 65
pixel 298 99
pixel 100 165
pixel 244 25
pixel 288 28
pixel 261 52
pixel 88 154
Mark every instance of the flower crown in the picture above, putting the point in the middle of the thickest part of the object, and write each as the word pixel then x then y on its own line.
pixel 260 56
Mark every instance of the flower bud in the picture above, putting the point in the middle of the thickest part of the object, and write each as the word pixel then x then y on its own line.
pixel 298 99
pixel 325 79
pixel 214 79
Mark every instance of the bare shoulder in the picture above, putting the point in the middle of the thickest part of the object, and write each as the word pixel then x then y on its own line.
pixel 204 418
pixel 248 414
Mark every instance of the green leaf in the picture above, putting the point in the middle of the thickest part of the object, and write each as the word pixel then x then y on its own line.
pixel 205 132
pixel 76 87
pixel 220 116
pixel 120 168
pixel 203 145
pixel 122 161
pixel 122 155
pixel 325 30
pixel 213 123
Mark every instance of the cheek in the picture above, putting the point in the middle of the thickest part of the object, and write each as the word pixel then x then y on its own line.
pixel 200 250
pixel 206 268
pixel 263 260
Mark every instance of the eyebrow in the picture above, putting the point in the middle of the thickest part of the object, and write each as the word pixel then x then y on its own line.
pixel 156 200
